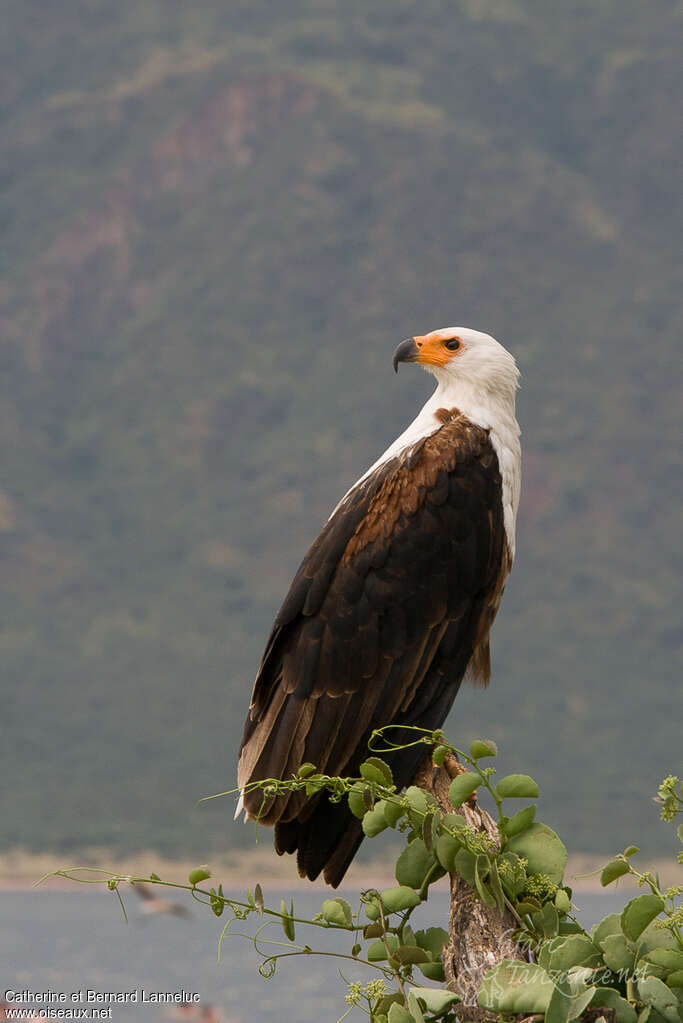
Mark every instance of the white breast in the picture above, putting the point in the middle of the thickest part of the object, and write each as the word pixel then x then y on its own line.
pixel 495 415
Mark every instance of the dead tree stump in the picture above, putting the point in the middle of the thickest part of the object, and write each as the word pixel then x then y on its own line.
pixel 479 937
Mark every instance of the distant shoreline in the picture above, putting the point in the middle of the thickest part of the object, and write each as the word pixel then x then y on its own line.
pixel 20 870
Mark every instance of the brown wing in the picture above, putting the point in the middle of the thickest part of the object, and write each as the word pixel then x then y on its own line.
pixel 378 627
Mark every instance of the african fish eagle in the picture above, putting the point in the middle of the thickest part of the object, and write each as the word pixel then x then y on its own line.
pixel 392 605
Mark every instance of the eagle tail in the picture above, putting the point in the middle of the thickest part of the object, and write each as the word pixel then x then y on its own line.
pixel 327 838
pixel 325 842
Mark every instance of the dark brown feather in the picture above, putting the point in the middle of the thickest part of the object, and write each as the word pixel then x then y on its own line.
pixel 389 607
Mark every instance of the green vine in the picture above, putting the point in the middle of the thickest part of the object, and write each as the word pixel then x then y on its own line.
pixel 631 962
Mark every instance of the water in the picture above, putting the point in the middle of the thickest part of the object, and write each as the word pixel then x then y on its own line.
pixel 70 941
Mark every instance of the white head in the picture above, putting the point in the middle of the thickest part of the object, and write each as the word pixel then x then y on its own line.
pixel 460 356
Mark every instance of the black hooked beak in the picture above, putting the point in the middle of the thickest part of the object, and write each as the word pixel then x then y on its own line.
pixel 407 351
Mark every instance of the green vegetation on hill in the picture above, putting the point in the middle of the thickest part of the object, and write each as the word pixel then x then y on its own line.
pixel 217 224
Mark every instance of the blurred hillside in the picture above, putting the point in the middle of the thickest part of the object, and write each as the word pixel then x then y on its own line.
pixel 218 221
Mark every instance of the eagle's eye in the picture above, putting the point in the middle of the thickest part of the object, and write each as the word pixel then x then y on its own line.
pixel 453 344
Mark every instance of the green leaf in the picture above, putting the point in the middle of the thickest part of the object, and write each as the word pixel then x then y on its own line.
pixel 464 866
pixel 617 953
pixel 571 994
pixel 462 787
pixel 380 807
pixel 415 1010
pixel 356 799
pixel 559 1006
pixel 399 1014
pixel 562 953
pixel 569 927
pixel 608 925
pixel 258 898
pixel 517 786
pixel 669 958
pixel 579 1002
pixel 481 872
pixel 436 826
pixel 373 930
pixel 446 849
pixel 374 822
pixel 646 969
pixel 199 874
pixel 395 900
pixel 154 877
pixel 483 748
pixel 454 821
pixel 513 986
pixel 528 905
pixel 439 754
pixel 413 864
pixel 675 979
pixel 512 873
pixel 417 799
pixel 337 911
pixel 496 887
pixel 661 998
pixel 216 901
pixel 435 1001
pixel 520 822
pixel 546 950
pixel 372 910
pixel 546 920
pixel 612 870
pixel 654 937
pixel 385 1003
pixel 419 803
pixel 432 940
pixel 393 811
pixel 639 913
pixel 286 919
pixel 608 998
pixel 631 850
pixel 562 902
pixel 679 832
pixel 543 850
pixel 427 825
pixel 306 770
pixel 348 912
pixel 374 769
pixel 377 952
pixel 411 954
pixel 432 971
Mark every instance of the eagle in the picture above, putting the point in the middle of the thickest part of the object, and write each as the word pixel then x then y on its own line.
pixel 391 607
